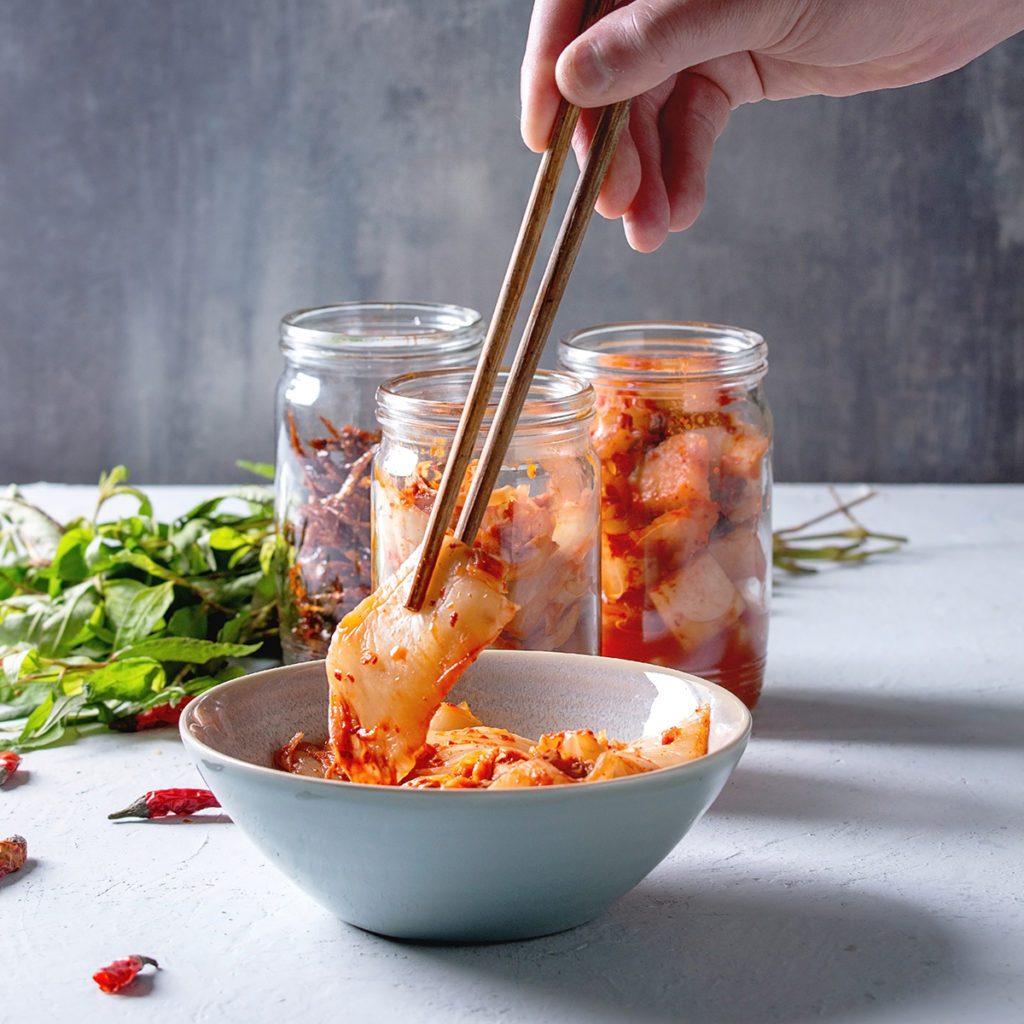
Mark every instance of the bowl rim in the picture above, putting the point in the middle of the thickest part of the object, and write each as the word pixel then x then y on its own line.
pixel 697 765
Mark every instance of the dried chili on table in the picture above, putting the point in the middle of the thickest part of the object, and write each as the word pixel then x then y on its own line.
pixel 13 854
pixel 9 762
pixel 151 718
pixel 158 803
pixel 121 973
pixel 328 534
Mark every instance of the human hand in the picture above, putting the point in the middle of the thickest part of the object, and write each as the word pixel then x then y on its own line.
pixel 689 63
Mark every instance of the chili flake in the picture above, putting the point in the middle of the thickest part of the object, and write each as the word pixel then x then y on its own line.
pixel 13 853
pixel 9 762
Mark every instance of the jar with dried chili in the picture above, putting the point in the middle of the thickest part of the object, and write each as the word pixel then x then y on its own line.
pixel 335 358
pixel 542 517
pixel 683 433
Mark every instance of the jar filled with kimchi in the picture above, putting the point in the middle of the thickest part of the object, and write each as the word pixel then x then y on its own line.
pixel 542 517
pixel 683 434
pixel 335 359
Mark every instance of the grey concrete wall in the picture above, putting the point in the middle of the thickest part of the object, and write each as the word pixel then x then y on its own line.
pixel 175 174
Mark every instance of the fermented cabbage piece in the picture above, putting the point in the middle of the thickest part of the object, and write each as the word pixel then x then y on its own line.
pixel 462 753
pixel 548 540
pixel 389 668
pixel 685 535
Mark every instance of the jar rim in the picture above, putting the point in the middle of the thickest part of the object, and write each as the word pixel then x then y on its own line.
pixel 660 351
pixel 380 330
pixel 555 398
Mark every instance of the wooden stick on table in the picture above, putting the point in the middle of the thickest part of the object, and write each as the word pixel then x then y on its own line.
pixel 506 309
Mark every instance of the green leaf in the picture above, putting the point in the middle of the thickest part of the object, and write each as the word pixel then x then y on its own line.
pixel 52 626
pixel 48 724
pixel 239 587
pixel 234 628
pixel 114 483
pixel 274 556
pixel 49 737
pixel 188 650
pixel 21 701
pixel 190 620
pixel 63 629
pixel 103 711
pixel 13 660
pixel 231 672
pixel 69 562
pixel 189 533
pixel 12 580
pixel 97 554
pixel 144 613
pixel 117 597
pixel 38 718
pixel 145 563
pixel 25 530
pixel 226 538
pixel 129 679
pixel 263 469
pixel 104 635
pixel 256 496
pixel 19 627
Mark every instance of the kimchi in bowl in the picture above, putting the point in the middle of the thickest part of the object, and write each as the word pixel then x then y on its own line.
pixel 468 865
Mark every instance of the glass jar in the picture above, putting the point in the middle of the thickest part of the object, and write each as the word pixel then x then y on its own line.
pixel 335 358
pixel 542 517
pixel 683 434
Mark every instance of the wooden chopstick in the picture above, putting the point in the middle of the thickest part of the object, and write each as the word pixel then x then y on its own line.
pixel 542 315
pixel 506 310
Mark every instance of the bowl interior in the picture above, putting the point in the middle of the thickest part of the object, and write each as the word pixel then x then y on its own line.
pixel 527 692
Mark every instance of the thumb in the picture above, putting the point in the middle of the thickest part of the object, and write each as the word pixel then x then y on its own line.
pixel 642 43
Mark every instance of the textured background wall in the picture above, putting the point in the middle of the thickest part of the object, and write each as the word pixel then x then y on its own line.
pixel 176 174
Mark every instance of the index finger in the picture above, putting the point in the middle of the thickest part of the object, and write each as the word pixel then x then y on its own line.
pixel 553 25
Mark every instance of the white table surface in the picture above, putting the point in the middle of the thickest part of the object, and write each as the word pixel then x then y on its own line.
pixel 862 865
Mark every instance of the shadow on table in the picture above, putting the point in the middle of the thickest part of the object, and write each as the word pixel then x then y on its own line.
pixel 15 877
pixel 873 717
pixel 20 778
pixel 141 986
pixel 828 800
pixel 757 953
pixel 177 821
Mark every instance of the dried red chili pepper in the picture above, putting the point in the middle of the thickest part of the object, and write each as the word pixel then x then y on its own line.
pixel 158 803
pixel 9 762
pixel 122 973
pixel 151 718
pixel 13 852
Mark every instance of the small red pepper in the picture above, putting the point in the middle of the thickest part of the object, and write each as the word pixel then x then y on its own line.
pixel 9 762
pixel 122 973
pixel 158 803
pixel 13 852
pixel 151 718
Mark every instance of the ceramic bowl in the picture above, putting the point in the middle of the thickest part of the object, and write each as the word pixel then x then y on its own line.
pixel 468 865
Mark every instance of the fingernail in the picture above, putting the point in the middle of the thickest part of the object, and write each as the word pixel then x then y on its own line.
pixel 590 74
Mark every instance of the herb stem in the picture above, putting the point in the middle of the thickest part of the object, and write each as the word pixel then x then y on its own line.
pixel 842 508
pixel 790 548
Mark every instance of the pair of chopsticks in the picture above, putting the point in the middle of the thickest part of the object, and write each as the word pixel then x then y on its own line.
pixel 538 326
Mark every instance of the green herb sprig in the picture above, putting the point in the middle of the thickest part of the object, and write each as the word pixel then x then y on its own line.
pixel 796 551
pixel 100 620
